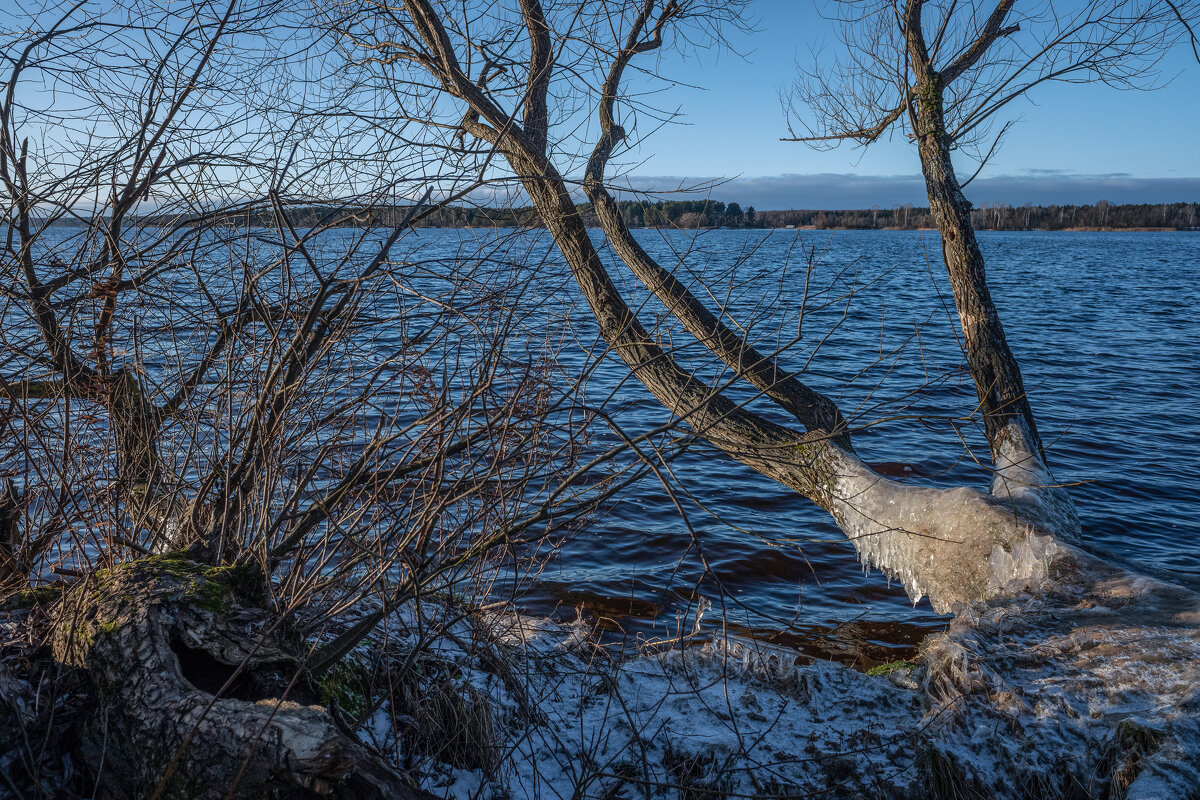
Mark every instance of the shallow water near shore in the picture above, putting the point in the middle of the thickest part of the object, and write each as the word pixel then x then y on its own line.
pixel 1103 327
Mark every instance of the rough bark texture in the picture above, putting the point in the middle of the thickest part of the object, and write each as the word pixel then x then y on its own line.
pixel 997 376
pixel 195 695
pixel 819 415
pixel 799 461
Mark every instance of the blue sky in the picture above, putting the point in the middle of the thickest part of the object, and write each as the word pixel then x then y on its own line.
pixel 1074 143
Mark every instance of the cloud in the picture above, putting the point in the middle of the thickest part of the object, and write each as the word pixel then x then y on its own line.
pixel 838 191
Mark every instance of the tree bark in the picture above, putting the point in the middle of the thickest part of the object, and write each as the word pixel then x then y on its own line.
pixel 1003 403
pixel 196 693
pixel 819 415
pixel 1020 470
pixel 957 546
pixel 14 562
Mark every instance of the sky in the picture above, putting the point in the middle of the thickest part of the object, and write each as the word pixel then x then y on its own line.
pixel 1071 144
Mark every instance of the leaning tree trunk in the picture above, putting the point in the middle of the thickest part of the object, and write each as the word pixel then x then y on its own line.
pixel 956 546
pixel 1063 675
pixel 196 693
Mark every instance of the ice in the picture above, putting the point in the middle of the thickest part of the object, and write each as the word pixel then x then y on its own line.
pixel 955 546
pixel 1088 684
pixel 1021 477
pixel 1037 694
pixel 730 713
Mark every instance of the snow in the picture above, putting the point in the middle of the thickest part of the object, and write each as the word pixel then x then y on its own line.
pixel 1021 695
pixel 728 713
pixel 1061 675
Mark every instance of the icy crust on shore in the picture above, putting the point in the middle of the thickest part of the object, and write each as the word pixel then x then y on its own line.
pixel 1083 693
pixel 1094 690
pixel 725 718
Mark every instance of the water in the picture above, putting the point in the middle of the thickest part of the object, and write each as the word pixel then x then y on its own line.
pixel 1101 323
pixel 1103 327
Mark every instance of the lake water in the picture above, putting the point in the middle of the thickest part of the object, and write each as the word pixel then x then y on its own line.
pixel 1103 325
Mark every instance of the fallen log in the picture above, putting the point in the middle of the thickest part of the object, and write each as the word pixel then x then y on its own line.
pixel 193 690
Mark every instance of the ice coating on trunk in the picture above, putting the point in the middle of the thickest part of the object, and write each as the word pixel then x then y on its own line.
pixel 955 546
pixel 1022 478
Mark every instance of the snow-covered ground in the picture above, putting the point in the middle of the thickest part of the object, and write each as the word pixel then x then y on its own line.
pixel 1065 696
pixel 727 718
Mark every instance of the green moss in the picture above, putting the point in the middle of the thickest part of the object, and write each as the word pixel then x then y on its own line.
pixel 217 588
pixel 348 684
pixel 931 98
pixel 215 597
pixel 243 580
pixel 174 563
pixel 889 667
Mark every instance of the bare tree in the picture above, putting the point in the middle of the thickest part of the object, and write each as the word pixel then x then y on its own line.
pixel 235 405
pixel 544 85
pixel 509 84
pixel 943 74
pixel 321 422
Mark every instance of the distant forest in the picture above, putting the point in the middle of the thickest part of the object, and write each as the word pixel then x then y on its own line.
pixel 665 213
pixel 1002 217
pixel 713 214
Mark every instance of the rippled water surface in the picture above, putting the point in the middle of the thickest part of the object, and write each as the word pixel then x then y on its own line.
pixel 1103 324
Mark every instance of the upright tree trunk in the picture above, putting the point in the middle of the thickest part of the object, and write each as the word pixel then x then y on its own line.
pixel 136 431
pixel 14 564
pixel 1020 472
pixel 1003 403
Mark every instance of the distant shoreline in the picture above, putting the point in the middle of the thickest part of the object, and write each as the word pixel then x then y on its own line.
pixel 704 215
pixel 1076 229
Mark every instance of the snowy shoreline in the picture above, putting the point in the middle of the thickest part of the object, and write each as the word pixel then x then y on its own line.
pixel 1061 696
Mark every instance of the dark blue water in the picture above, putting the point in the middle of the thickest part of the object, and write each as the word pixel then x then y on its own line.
pixel 1103 324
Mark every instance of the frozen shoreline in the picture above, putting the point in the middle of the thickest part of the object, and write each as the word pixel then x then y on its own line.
pixel 1062 696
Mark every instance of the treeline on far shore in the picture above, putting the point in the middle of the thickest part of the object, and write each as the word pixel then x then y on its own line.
pixel 664 213
pixel 694 214
pixel 1002 217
